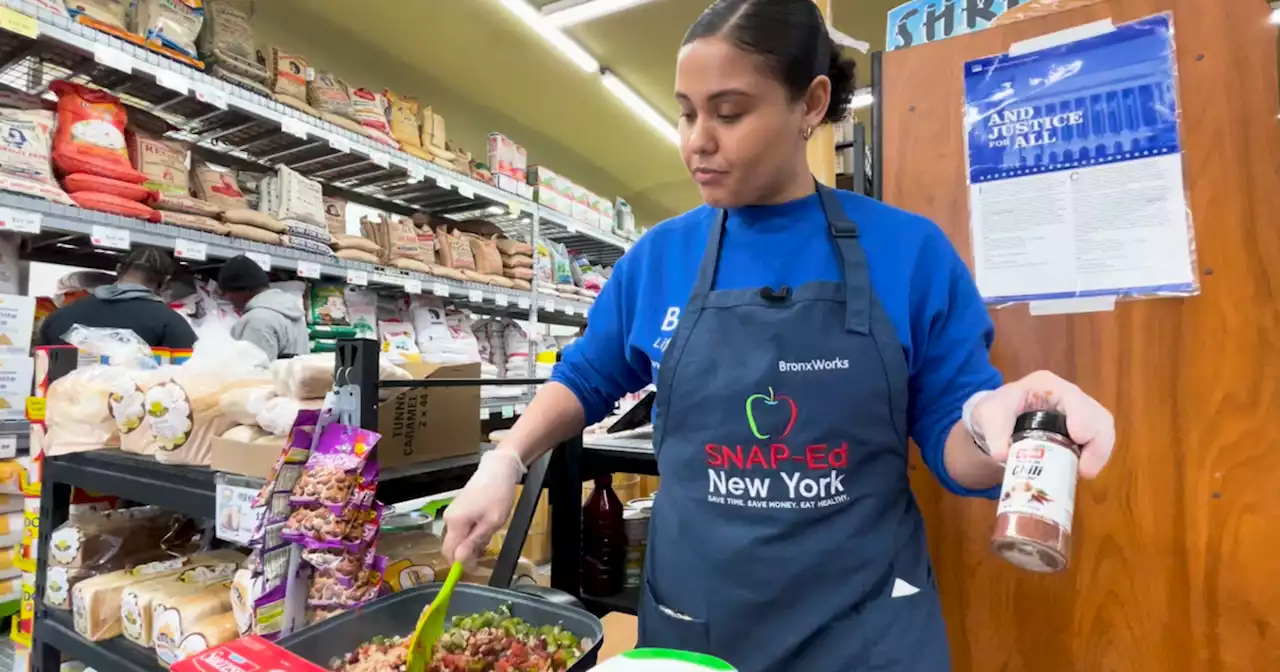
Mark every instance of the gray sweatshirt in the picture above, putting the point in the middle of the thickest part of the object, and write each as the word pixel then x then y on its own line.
pixel 273 321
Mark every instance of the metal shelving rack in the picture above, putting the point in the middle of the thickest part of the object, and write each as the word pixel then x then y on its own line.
pixel 236 125
pixel 191 491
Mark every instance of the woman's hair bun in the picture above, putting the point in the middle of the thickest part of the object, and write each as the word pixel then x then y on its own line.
pixel 843 75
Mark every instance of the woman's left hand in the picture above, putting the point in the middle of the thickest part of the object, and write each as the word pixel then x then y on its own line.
pixel 1091 426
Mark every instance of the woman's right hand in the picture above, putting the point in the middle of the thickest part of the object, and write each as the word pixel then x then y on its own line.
pixel 482 507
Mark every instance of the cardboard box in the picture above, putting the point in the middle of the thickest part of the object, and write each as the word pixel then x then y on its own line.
pixel 551 189
pixel 246 459
pixel 582 206
pixel 423 424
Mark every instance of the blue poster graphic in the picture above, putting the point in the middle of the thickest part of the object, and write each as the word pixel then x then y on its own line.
pixel 1074 167
pixel 921 21
pixel 1099 100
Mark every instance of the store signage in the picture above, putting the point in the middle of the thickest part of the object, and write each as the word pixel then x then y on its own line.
pixel 918 22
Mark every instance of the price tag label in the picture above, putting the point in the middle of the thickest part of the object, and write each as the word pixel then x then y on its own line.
pixel 500 300
pixel 309 269
pixel 413 286
pixel 113 58
pixel 339 144
pixel 444 182
pixel 17 22
pixel 439 289
pixel 262 260
pixel 549 305
pixel 190 249
pixel 523 302
pixel 173 81
pixel 568 309
pixel 416 173
pixel 35 409
pixel 508 412
pixel 355 277
pixel 380 159
pixel 514 208
pixel 8 447
pixel 475 296
pixel 109 236
pixel 520 408
pixel 212 97
pixel 484 413
pixel 294 127
pixel 466 191
pixel 22 221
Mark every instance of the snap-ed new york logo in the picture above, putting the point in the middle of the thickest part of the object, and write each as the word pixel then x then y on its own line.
pixel 809 475
pixel 763 406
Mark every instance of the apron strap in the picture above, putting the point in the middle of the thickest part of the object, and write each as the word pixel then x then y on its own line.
pixel 857 277
pixel 843 230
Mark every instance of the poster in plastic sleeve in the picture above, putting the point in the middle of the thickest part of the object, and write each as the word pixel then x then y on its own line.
pixel 916 22
pixel 1075 167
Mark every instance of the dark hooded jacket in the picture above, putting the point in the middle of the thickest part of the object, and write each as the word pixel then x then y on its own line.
pixel 122 306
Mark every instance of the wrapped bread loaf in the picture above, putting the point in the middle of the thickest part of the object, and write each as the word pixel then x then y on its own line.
pixel 137 601
pixel 173 619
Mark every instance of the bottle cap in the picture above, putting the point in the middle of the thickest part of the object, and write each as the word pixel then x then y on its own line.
pixel 1044 421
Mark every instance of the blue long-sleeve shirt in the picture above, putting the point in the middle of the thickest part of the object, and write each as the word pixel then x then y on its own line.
pixel 915 272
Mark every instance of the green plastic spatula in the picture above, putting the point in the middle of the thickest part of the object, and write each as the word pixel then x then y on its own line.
pixel 431 624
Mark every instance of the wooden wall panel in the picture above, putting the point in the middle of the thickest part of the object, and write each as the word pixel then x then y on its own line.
pixel 1177 564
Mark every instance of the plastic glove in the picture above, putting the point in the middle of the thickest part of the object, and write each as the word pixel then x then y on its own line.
pixel 482 507
pixel 1091 426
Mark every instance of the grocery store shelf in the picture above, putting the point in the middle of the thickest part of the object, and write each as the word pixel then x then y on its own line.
pixel 56 222
pixel 221 117
pixel 53 627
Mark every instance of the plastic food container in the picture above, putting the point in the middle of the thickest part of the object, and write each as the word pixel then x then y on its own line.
pixel 663 660
pixel 397 614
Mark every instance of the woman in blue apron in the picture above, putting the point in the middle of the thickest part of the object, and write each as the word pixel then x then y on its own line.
pixel 798 337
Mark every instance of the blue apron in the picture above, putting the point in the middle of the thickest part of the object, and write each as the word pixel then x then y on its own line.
pixel 785 525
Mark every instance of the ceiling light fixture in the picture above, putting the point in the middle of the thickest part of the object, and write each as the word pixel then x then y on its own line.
pixel 572 12
pixel 526 12
pixel 642 109
pixel 861 98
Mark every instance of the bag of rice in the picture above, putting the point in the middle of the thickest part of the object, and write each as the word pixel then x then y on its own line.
pixel 217 185
pixel 453 250
pixel 288 75
pixel 402 114
pixel 485 252
pixel 25 157
pixel 90 134
pixel 227 43
pixel 173 24
pixel 335 215
pixel 327 93
pixel 164 162
pixel 299 198
pixel 368 108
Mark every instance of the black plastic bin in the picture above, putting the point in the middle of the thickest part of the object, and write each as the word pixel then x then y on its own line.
pixel 397 614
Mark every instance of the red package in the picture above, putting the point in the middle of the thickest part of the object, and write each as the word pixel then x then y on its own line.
pixel 90 134
pixel 247 654
pixel 95 200
pixel 78 182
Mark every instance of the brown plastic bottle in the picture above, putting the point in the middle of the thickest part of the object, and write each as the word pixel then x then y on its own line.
pixel 604 541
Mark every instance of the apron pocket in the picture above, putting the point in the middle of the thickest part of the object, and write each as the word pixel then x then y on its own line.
pixel 906 633
pixel 663 627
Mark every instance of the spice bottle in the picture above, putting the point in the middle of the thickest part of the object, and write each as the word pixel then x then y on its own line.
pixel 1037 501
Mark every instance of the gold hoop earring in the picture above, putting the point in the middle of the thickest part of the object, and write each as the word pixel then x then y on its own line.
pixel 808 133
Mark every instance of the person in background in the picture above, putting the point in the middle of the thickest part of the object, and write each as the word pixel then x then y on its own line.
pixel 804 335
pixel 132 302
pixel 269 318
